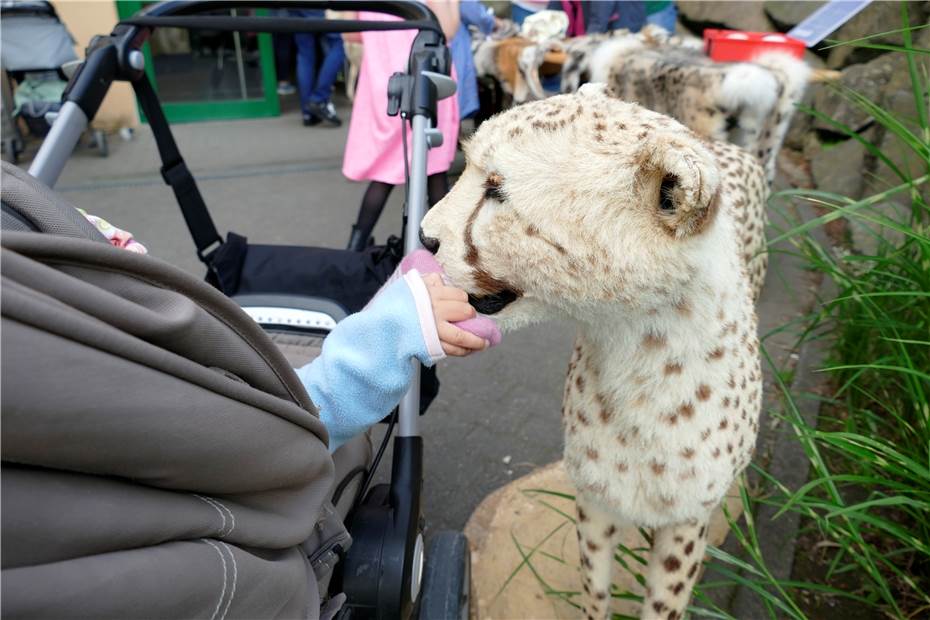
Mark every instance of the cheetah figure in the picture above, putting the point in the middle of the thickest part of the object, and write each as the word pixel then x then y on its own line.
pixel 646 236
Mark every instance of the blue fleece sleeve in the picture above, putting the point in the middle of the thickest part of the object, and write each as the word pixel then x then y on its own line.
pixel 365 366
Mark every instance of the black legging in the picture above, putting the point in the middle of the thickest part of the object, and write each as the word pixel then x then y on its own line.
pixel 377 194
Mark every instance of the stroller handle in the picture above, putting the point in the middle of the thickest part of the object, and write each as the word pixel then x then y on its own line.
pixel 185 14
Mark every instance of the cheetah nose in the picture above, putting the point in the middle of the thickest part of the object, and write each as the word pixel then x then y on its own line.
pixel 430 243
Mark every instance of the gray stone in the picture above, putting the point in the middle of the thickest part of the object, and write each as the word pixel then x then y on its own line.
pixel 869 79
pixel 732 15
pixel 876 17
pixel 801 123
pixel 898 99
pixel 798 130
pixel 902 105
pixel 839 168
pixel 867 236
pixel 787 14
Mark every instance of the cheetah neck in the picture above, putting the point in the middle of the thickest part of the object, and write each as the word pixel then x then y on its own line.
pixel 634 358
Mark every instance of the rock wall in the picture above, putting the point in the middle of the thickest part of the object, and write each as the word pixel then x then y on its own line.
pixel 839 163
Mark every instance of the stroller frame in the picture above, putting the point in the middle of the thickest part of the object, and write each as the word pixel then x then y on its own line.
pixel 382 571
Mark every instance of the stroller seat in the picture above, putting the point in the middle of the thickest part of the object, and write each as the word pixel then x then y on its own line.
pixel 48 246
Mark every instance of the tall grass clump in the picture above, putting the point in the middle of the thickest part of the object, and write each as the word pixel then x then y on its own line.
pixel 869 492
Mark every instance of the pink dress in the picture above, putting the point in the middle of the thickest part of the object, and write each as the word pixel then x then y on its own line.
pixel 373 148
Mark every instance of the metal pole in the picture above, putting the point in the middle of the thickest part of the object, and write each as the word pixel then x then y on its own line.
pixel 59 143
pixel 242 87
pixel 408 424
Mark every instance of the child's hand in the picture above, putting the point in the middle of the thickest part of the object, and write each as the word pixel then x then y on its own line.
pixel 450 305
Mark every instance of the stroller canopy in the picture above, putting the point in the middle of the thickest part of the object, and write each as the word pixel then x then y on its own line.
pixel 33 38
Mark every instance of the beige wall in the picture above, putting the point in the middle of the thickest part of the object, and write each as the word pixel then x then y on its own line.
pixel 86 18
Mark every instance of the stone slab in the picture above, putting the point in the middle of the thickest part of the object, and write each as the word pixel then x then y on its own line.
pixel 527 518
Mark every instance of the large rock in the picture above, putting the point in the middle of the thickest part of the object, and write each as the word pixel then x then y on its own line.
pixel 786 14
pixel 866 236
pixel 801 122
pixel 876 17
pixel 868 79
pixel 839 168
pixel 898 99
pixel 504 586
pixel 902 105
pixel 732 15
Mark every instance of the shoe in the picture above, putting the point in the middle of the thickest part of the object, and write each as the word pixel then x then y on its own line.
pixel 357 241
pixel 286 88
pixel 310 120
pixel 325 111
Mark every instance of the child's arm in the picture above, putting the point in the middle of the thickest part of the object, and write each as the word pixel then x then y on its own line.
pixel 365 366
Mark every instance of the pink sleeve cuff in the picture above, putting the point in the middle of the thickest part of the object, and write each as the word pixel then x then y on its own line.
pixel 425 315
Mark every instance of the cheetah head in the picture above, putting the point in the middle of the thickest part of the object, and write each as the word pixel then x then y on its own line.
pixel 575 205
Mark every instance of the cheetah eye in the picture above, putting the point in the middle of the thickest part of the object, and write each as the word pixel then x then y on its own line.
pixel 492 188
pixel 493 193
pixel 666 204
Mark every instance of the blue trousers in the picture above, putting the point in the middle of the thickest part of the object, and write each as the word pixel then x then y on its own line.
pixel 665 18
pixel 313 86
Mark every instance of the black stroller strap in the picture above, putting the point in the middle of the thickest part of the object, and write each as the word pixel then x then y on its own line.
pixel 176 174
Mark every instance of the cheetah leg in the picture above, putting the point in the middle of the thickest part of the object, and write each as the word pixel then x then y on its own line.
pixel 597 538
pixel 674 564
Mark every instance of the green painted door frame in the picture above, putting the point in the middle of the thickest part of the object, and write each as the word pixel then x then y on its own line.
pixel 214 110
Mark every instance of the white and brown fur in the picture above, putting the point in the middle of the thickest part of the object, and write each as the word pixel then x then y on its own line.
pixel 580 51
pixel 515 63
pixel 749 104
pixel 646 236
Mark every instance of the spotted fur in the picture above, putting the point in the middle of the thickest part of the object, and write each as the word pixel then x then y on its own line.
pixel 588 208
pixel 749 103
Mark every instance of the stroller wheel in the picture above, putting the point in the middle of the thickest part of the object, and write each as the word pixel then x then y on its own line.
pixel 445 592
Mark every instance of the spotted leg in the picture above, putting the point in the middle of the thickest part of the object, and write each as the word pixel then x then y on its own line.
pixel 674 564
pixel 597 538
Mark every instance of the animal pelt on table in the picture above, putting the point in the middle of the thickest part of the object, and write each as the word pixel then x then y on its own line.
pixel 579 51
pixel 749 104
pixel 516 63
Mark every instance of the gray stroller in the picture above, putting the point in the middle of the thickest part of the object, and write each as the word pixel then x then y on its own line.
pixel 37 55
pixel 160 457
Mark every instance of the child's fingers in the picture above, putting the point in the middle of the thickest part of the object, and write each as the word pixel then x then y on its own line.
pixel 455 338
pixel 450 293
pixel 432 279
pixel 438 290
pixel 454 351
pixel 452 311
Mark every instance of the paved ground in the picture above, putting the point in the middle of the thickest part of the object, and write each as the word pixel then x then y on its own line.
pixel 277 182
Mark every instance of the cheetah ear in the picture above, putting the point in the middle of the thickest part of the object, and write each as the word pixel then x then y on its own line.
pixel 686 185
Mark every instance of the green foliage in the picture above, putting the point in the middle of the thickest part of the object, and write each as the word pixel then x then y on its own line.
pixel 869 491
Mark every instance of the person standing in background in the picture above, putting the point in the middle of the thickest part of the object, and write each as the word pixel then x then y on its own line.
pixel 316 88
pixel 374 150
pixel 662 13
pixel 471 13
pixel 613 15
pixel 283 43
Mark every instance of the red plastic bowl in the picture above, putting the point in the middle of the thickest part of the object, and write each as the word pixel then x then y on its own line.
pixel 736 45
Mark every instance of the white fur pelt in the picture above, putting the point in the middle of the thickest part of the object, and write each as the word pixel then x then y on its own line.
pixel 747 103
